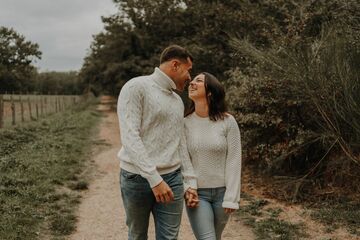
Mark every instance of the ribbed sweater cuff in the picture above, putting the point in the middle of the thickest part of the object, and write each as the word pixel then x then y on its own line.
pixel 191 183
pixel 230 205
pixel 154 179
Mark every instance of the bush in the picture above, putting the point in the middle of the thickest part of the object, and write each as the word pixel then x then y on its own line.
pixel 299 107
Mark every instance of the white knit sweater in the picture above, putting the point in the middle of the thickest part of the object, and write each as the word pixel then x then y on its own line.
pixel 215 152
pixel 152 129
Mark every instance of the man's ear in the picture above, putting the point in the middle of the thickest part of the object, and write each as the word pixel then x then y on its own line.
pixel 175 65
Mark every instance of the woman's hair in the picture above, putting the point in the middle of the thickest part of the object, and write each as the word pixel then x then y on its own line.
pixel 215 97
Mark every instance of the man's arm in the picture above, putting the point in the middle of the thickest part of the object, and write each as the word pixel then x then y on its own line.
pixel 129 110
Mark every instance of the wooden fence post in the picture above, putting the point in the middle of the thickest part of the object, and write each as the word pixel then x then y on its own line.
pixel 56 105
pixel 41 106
pixel 37 108
pixel 59 102
pixel 45 105
pixel 22 109
pixel 12 110
pixel 30 113
pixel 1 111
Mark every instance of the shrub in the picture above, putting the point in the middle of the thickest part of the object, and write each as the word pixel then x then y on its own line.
pixel 299 106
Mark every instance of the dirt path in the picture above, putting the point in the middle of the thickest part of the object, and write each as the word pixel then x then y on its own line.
pixel 101 214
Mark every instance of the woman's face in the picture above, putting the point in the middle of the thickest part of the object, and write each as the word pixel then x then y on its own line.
pixel 197 88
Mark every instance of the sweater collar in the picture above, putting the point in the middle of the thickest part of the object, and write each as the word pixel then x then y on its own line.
pixel 163 80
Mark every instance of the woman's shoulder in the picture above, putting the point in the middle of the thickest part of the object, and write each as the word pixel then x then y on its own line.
pixel 230 119
pixel 229 116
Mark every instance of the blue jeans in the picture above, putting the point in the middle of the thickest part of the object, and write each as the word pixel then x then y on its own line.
pixel 139 201
pixel 208 220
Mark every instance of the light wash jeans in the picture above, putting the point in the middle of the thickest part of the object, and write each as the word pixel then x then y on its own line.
pixel 208 220
pixel 139 201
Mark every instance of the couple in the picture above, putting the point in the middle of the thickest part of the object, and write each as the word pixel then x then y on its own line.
pixel 166 157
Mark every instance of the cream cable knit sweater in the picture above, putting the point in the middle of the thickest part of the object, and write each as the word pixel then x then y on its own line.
pixel 215 152
pixel 152 129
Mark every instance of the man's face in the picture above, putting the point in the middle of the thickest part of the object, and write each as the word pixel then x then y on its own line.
pixel 183 74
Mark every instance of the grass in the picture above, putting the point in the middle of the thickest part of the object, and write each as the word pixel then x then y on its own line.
pixel 265 222
pixel 41 167
pixel 335 215
pixel 272 228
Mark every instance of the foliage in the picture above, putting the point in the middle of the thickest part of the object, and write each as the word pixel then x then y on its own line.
pixel 58 83
pixel 16 56
pixel 272 228
pixel 134 37
pixel 290 68
pixel 299 105
pixel 339 214
pixel 17 74
pixel 266 222
pixel 38 164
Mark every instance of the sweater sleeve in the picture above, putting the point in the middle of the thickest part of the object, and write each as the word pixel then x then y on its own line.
pixel 233 165
pixel 130 110
pixel 186 165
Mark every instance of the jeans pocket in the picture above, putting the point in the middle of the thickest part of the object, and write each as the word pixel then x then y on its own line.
pixel 128 175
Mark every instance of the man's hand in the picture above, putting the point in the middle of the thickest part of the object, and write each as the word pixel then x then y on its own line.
pixel 163 192
pixel 191 198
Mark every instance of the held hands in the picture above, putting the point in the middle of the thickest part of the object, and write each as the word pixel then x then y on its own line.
pixel 163 193
pixel 191 198
pixel 229 210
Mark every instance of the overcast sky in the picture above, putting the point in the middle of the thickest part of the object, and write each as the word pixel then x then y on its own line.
pixel 63 28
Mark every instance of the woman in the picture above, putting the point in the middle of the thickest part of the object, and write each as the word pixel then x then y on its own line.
pixel 213 140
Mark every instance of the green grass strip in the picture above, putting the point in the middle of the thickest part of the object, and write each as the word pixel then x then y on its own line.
pixel 39 164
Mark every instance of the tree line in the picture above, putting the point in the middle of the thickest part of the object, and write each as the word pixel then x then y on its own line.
pixel 19 75
pixel 290 69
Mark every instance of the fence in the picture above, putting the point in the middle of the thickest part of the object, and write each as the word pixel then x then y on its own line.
pixel 15 109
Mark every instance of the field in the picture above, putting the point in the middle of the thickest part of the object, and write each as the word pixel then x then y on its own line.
pixel 41 172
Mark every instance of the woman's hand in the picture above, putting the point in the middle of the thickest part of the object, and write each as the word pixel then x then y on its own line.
pixel 229 210
pixel 191 198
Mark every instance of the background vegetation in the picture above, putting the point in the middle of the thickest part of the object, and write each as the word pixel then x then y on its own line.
pixel 290 68
pixel 18 74
pixel 41 172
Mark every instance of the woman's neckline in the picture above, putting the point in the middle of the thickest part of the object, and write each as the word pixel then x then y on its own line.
pixel 199 117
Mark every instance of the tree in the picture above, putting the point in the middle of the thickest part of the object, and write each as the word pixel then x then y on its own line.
pixel 16 56
pixel 58 83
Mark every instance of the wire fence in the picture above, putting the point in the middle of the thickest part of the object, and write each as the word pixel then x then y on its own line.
pixel 16 109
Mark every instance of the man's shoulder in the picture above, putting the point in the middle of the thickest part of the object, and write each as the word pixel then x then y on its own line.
pixel 138 83
pixel 140 80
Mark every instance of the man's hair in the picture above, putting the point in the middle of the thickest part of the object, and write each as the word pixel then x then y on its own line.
pixel 175 52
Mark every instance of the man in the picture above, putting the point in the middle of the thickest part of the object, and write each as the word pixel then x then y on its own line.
pixel 154 149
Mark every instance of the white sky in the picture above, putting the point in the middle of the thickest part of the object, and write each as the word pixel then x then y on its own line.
pixel 63 29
